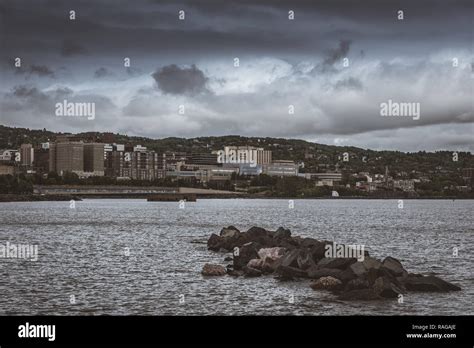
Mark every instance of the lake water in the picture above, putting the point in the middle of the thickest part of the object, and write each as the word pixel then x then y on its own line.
pixel 83 256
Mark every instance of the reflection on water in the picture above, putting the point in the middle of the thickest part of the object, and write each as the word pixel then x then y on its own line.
pixel 83 252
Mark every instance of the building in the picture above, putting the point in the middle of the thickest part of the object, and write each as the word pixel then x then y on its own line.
pixel 281 168
pixel 27 155
pixel 41 159
pixel 323 179
pixel 133 162
pixel 404 185
pixel 203 159
pixel 245 154
pixel 94 159
pixel 7 169
pixel 67 157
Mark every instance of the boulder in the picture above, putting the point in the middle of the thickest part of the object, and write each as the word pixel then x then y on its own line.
pixel 261 236
pixel 326 283
pixel 315 272
pixel 310 242
pixel 347 275
pixel 271 253
pixel 429 284
pixel 317 251
pixel 371 263
pixel 228 258
pixel 385 288
pixel 213 270
pixel 359 295
pixel 338 262
pixel 357 284
pixel 288 272
pixel 290 259
pixel 282 233
pixel 214 242
pixel 229 232
pixel 288 244
pixel 246 253
pixel 393 266
pixel 304 259
pixel 251 272
pixel 256 263
pixel 270 258
pixel 358 268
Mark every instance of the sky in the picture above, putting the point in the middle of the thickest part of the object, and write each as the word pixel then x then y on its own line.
pixel 320 75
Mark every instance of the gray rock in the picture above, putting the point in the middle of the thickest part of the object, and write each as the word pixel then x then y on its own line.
pixel 288 272
pixel 384 287
pixel 326 283
pixel 290 259
pixel 338 262
pixel 305 259
pixel 358 268
pixel 315 272
pixel 229 232
pixel 246 253
pixel 429 284
pixel 213 270
pixel 371 263
pixel 357 284
pixel 317 251
pixel 214 242
pixel 251 272
pixel 282 233
pixel 346 275
pixel 394 266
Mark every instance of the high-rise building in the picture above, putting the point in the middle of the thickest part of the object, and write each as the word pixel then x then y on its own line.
pixel 68 157
pixel 94 158
pixel 281 168
pixel 246 154
pixel 134 162
pixel 27 154
pixel 41 161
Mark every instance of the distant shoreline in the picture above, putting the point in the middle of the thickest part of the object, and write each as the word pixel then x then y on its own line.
pixel 5 198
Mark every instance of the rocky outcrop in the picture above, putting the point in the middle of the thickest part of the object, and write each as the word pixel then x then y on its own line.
pixel 258 251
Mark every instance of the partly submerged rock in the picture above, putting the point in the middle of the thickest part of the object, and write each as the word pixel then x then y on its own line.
pixel 213 270
pixel 429 284
pixel 385 287
pixel 394 266
pixel 288 272
pixel 326 283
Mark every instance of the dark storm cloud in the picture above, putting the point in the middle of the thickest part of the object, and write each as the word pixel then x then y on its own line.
pixel 39 70
pixel 338 53
pixel 282 62
pixel 175 80
pixel 350 83
pixel 102 72
pixel 70 48
pixel 228 27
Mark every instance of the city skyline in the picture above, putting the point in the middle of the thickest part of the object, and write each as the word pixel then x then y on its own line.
pixel 284 65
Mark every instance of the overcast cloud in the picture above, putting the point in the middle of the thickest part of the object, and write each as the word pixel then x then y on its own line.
pixel 334 64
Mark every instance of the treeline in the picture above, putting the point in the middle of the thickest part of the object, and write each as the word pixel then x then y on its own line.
pixel 17 184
